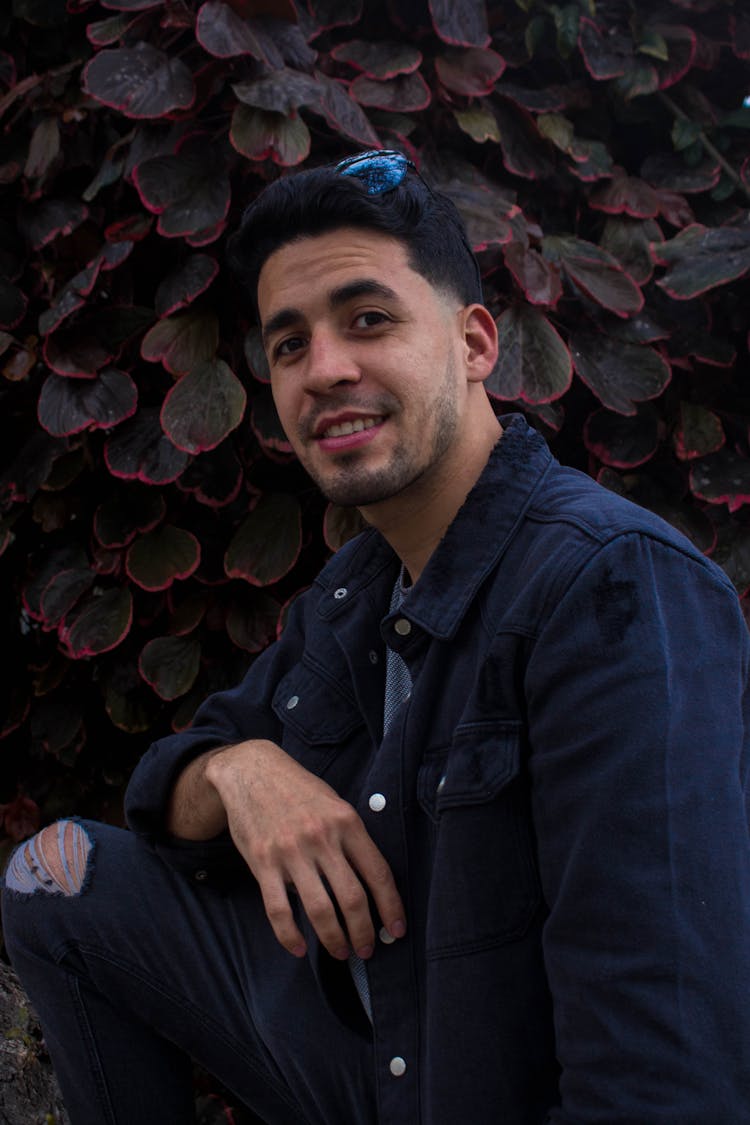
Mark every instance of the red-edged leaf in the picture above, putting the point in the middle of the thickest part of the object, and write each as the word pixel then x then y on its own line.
pixel 626 195
pixel 261 135
pixel 282 91
pixel 161 556
pixel 666 170
pixel 131 5
pixel 698 433
pixel 180 288
pixel 384 59
pixel 225 34
pixel 525 153
pixel 343 114
pixel 99 625
pixel 31 467
pixel 722 478
pixel 170 665
pixel 630 242
pixel 252 622
pixel 77 354
pixel 596 272
pixel 682 47
pixel 619 374
pixel 67 406
pixel 538 278
pixel 340 525
pixel 140 450
pixel 140 81
pixel 548 99
pixel 473 72
pixel 44 148
pixel 265 423
pixel 406 93
pixel 702 258
pixel 62 592
pixel 203 407
pixel 130 705
pixel 51 218
pixel 182 341
pixel 188 190
pixel 126 513
pixel 134 228
pixel 622 442
pixel 463 23
pixel 607 51
pixel 486 208
pixel 335 13
pixel 479 122
pixel 102 33
pixel 695 343
pixel 214 478
pixel 267 543
pixel 533 363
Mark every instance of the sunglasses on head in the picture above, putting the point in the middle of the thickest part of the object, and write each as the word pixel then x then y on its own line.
pixel 381 170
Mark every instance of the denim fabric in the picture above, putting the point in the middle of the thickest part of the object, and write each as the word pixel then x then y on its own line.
pixel 566 807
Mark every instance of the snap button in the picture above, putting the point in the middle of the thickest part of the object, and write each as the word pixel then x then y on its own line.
pixel 377 802
pixel 200 876
pixel 292 702
pixel 340 593
pixel 373 656
pixel 403 627
pixel 397 1066
pixel 441 784
pixel 385 937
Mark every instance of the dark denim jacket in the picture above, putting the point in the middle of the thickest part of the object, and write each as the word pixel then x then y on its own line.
pixel 566 812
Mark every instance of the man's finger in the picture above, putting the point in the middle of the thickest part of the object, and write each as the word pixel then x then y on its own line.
pixel 279 914
pixel 378 878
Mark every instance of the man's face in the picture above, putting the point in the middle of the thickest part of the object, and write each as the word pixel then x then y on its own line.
pixel 365 363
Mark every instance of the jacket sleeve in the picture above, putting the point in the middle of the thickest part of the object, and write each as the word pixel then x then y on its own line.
pixel 637 697
pixel 224 718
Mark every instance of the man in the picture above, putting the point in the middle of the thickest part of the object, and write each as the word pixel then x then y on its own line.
pixel 469 844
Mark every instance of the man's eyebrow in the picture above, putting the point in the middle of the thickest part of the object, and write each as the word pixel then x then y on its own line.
pixel 361 287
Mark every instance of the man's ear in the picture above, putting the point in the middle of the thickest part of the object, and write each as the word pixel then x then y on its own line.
pixel 480 342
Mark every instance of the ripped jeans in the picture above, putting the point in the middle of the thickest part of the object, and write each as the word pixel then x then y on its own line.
pixel 134 971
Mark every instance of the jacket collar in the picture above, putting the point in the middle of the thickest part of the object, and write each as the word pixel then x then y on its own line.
pixel 470 549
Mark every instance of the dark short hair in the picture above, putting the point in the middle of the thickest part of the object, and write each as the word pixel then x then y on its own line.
pixel 320 200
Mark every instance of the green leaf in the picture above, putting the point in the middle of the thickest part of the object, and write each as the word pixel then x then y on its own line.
pixel 684 133
pixel 479 122
pixel 170 665
pixel 100 625
pixel 654 44
pixel 722 478
pixel 699 432
pixel 160 556
pixel 261 135
pixel 182 341
pixel 266 545
pixel 533 363
pixel 203 407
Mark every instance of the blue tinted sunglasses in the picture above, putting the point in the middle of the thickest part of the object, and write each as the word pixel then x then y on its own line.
pixel 383 169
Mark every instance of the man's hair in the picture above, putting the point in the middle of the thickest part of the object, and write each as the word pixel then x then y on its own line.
pixel 321 200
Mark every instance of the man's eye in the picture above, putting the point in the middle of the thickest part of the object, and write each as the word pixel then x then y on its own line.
pixel 370 319
pixel 290 345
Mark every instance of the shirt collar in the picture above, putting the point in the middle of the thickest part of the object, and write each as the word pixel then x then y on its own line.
pixel 471 547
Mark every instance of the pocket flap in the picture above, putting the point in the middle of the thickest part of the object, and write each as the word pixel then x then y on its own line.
pixel 314 707
pixel 482 759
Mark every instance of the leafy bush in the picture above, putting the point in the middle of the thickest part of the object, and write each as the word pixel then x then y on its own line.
pixel 154 521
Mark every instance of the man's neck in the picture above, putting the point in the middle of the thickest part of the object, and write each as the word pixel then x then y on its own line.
pixel 416 520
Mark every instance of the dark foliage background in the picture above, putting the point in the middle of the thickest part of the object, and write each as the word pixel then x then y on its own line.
pixel 154 522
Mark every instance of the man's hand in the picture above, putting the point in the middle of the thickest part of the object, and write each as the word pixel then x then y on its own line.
pixel 292 829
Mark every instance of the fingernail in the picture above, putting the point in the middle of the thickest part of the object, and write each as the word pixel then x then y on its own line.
pixel 365 952
pixel 397 928
pixel 299 950
pixel 342 953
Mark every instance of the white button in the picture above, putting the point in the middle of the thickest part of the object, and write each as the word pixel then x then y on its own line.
pixel 340 593
pixel 377 802
pixel 403 627
pixel 201 875
pixel 441 784
pixel 292 702
pixel 397 1066
pixel 385 937
pixel 373 656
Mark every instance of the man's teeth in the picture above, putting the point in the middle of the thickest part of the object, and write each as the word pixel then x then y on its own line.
pixel 355 427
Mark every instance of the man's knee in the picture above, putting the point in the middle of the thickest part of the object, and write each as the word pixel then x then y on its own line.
pixel 55 861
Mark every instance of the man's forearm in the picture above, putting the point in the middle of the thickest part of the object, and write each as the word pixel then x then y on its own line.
pixel 195 810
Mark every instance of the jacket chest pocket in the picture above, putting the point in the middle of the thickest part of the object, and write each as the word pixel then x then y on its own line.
pixel 318 717
pixel 484 886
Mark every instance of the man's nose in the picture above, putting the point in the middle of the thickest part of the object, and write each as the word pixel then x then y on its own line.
pixel 330 360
